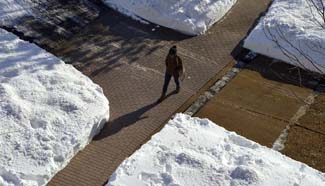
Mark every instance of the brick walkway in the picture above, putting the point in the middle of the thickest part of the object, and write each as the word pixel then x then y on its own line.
pixel 126 59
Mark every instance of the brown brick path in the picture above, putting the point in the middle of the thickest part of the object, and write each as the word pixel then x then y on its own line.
pixel 126 59
pixel 127 62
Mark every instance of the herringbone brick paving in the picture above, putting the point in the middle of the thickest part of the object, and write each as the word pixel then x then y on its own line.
pixel 134 81
pixel 127 60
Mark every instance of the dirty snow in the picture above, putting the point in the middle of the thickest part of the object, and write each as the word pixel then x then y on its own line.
pixel 196 152
pixel 299 30
pixel 48 112
pixel 191 17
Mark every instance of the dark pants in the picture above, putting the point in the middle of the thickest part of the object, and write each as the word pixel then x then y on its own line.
pixel 167 80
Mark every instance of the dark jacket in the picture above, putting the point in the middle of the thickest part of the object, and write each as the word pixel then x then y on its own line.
pixel 174 65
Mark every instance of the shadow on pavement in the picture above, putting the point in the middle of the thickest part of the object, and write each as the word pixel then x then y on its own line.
pixel 276 70
pixel 282 72
pixel 273 69
pixel 91 36
pixel 239 49
pixel 113 127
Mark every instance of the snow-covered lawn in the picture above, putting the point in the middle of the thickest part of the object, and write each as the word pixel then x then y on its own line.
pixel 292 31
pixel 48 112
pixel 196 152
pixel 191 17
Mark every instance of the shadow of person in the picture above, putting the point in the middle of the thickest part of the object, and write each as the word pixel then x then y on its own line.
pixel 113 127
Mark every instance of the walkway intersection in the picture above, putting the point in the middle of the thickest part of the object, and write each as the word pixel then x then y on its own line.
pixel 127 60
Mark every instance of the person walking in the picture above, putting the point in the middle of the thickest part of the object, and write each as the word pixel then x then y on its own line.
pixel 174 68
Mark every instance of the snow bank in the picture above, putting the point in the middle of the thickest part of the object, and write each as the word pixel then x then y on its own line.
pixel 48 112
pixel 191 17
pixel 299 31
pixel 196 152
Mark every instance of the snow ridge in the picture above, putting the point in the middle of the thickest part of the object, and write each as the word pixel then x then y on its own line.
pixel 190 17
pixel 196 152
pixel 48 112
pixel 291 31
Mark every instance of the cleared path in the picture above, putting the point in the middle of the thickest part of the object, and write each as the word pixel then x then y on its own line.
pixel 127 59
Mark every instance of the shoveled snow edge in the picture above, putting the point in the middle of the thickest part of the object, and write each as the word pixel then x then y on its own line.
pixel 183 153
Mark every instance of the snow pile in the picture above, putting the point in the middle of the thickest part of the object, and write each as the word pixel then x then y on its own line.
pixel 292 31
pixel 191 17
pixel 196 152
pixel 48 112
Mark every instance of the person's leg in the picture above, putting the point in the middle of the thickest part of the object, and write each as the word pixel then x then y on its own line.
pixel 176 79
pixel 166 83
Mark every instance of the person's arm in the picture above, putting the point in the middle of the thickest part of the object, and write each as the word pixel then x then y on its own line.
pixel 180 63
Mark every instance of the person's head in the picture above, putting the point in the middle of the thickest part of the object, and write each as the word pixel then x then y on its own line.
pixel 173 50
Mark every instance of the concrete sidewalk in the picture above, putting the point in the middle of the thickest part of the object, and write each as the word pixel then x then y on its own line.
pixel 263 99
pixel 306 139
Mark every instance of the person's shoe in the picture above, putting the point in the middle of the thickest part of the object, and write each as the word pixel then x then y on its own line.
pixel 160 100
pixel 162 97
pixel 177 89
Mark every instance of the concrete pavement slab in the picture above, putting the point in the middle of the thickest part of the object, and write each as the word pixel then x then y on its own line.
pixel 314 119
pixel 249 90
pixel 306 146
pixel 255 126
